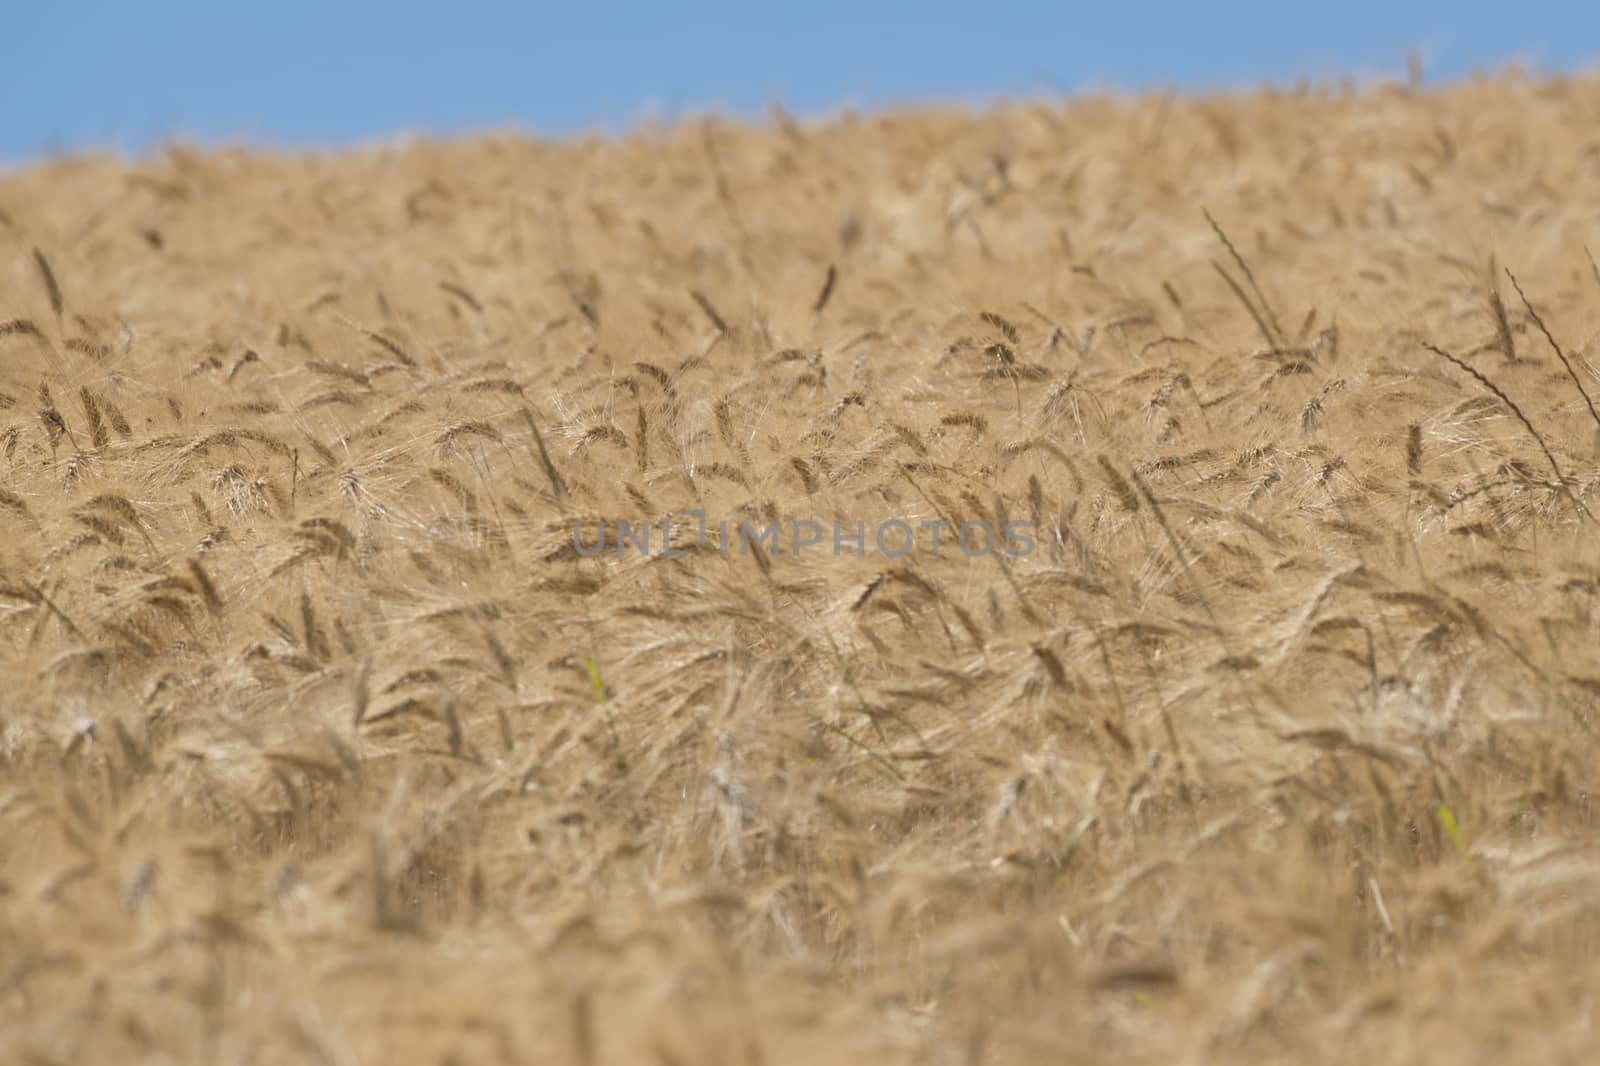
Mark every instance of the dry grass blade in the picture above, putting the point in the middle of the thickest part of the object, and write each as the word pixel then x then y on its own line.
pixel 51 286
pixel 827 290
pixel 716 319
pixel 1561 479
pixel 208 590
pixel 1255 316
pixel 1565 362
pixel 557 485
pixel 1275 336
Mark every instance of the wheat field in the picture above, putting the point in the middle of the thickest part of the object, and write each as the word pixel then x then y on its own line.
pixel 326 740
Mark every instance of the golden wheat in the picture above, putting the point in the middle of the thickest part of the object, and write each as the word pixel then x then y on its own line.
pixel 344 725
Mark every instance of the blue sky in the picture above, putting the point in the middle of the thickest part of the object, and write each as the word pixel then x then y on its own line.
pixel 295 72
